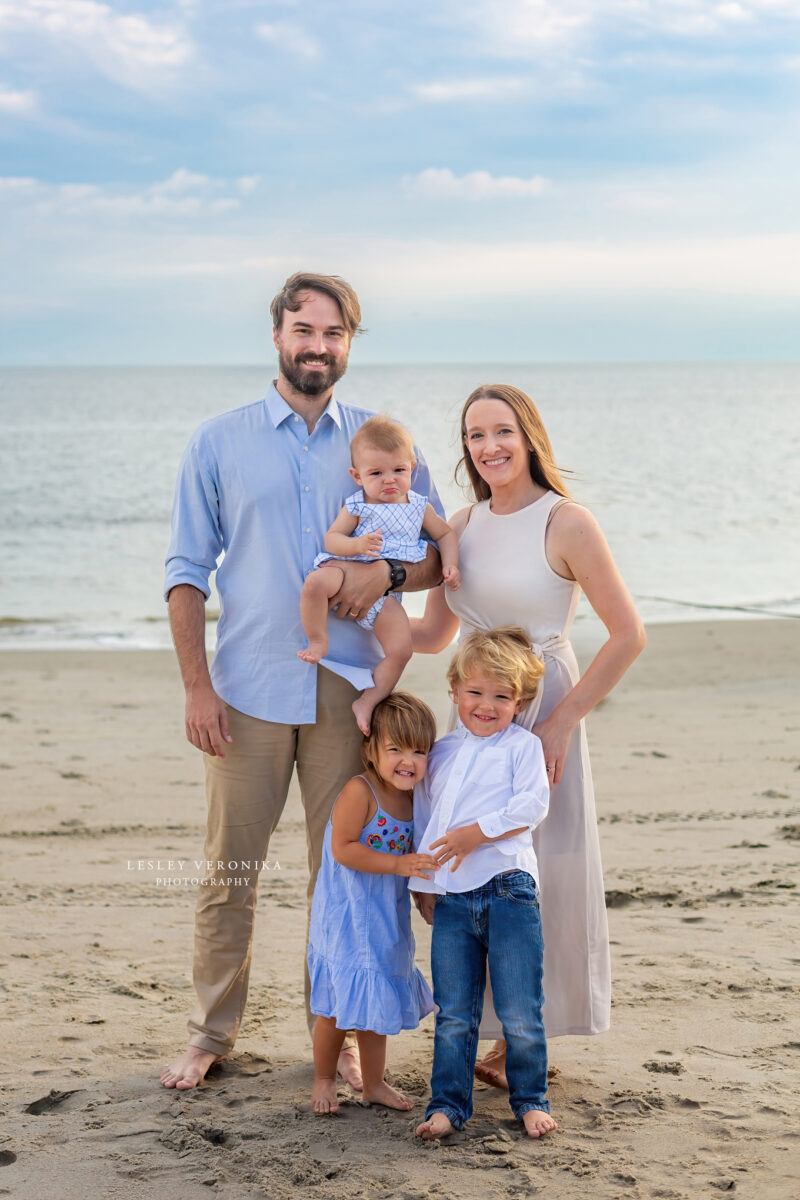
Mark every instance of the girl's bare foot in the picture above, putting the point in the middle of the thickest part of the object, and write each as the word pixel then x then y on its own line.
pixel 190 1070
pixel 383 1094
pixel 349 1067
pixel 538 1123
pixel 492 1067
pixel 363 714
pixel 436 1126
pixel 324 1098
pixel 314 651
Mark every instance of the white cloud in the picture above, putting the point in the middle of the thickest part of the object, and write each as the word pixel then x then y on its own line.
pixel 183 194
pixel 16 102
pixel 446 92
pixel 292 39
pixel 475 185
pixel 128 48
pixel 248 183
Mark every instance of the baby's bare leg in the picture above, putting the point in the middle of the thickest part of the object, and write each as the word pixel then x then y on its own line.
pixel 372 1047
pixel 328 1041
pixel 394 634
pixel 318 588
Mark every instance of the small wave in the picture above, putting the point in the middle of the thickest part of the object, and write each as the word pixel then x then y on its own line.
pixel 766 609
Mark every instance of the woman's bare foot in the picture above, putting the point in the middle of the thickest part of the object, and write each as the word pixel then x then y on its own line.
pixel 324 1097
pixel 349 1067
pixel 314 651
pixel 492 1067
pixel 538 1123
pixel 386 1095
pixel 436 1126
pixel 190 1070
pixel 363 714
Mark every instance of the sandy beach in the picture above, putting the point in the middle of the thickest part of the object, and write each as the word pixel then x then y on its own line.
pixel 692 1092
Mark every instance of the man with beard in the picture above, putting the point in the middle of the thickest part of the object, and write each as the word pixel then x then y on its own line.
pixel 263 483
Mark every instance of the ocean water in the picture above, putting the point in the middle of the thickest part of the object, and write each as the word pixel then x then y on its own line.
pixel 691 471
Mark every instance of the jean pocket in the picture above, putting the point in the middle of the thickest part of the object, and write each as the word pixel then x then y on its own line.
pixel 521 889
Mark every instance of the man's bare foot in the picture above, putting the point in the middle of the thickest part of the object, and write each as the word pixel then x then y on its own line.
pixel 363 714
pixel 538 1123
pixel 349 1067
pixel 314 651
pixel 492 1067
pixel 324 1098
pixel 190 1070
pixel 436 1126
pixel 386 1095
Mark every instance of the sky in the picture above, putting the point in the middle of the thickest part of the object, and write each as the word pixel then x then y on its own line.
pixel 501 180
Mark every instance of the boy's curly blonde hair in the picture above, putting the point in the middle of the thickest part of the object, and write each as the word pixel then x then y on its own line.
pixel 504 653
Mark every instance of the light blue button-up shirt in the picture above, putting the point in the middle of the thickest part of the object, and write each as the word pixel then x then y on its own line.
pixel 255 485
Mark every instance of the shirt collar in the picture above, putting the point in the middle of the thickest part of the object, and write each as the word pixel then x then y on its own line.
pixel 464 733
pixel 279 410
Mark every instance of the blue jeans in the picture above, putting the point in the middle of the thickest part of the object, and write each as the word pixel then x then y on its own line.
pixel 499 921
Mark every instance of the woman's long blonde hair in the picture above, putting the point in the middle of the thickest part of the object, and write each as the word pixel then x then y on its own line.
pixel 542 464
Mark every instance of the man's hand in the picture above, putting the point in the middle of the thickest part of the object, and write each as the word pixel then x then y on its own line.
pixel 364 583
pixel 457 844
pixel 425 902
pixel 207 720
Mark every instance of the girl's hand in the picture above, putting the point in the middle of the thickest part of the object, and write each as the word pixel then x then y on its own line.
pixel 554 736
pixel 370 543
pixel 414 864
pixel 457 844
pixel 451 577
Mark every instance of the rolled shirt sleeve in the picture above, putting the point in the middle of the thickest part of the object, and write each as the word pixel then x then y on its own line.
pixel 196 540
pixel 527 806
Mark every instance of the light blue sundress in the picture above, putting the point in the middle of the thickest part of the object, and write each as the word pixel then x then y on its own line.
pixel 401 526
pixel 360 944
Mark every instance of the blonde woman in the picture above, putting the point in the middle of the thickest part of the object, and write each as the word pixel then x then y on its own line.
pixel 526 550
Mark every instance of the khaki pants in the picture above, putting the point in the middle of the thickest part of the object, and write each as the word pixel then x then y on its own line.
pixel 246 792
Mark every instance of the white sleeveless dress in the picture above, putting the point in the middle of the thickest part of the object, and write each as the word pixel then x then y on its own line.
pixel 506 579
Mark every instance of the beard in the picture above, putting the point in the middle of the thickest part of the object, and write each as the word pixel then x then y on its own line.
pixel 311 383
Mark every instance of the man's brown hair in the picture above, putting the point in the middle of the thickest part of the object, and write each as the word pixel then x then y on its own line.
pixel 290 297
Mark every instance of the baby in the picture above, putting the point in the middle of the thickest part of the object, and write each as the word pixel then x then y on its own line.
pixel 385 519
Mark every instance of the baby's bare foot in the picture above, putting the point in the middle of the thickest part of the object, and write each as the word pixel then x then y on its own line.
pixel 386 1095
pixel 189 1070
pixel 538 1123
pixel 314 651
pixel 363 714
pixel 492 1067
pixel 324 1098
pixel 436 1126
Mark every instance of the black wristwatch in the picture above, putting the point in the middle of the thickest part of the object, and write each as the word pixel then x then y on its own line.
pixel 397 577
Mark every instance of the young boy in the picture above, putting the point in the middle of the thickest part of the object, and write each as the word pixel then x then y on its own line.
pixel 485 790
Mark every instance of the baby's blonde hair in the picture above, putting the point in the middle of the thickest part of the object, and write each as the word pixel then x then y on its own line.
pixel 382 433
pixel 505 654
pixel 402 720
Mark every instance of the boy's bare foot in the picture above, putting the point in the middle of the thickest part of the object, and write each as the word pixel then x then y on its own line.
pixel 324 1098
pixel 436 1126
pixel 190 1070
pixel 363 714
pixel 314 651
pixel 386 1095
pixel 492 1067
pixel 538 1123
pixel 349 1067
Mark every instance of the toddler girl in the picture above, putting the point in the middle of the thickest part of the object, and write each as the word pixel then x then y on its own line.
pixel 382 520
pixel 360 944
pixel 485 792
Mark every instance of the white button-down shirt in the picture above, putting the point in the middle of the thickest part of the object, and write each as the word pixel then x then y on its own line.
pixel 498 781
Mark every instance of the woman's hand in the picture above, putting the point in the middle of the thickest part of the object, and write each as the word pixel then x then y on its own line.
pixel 554 734
pixel 414 865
